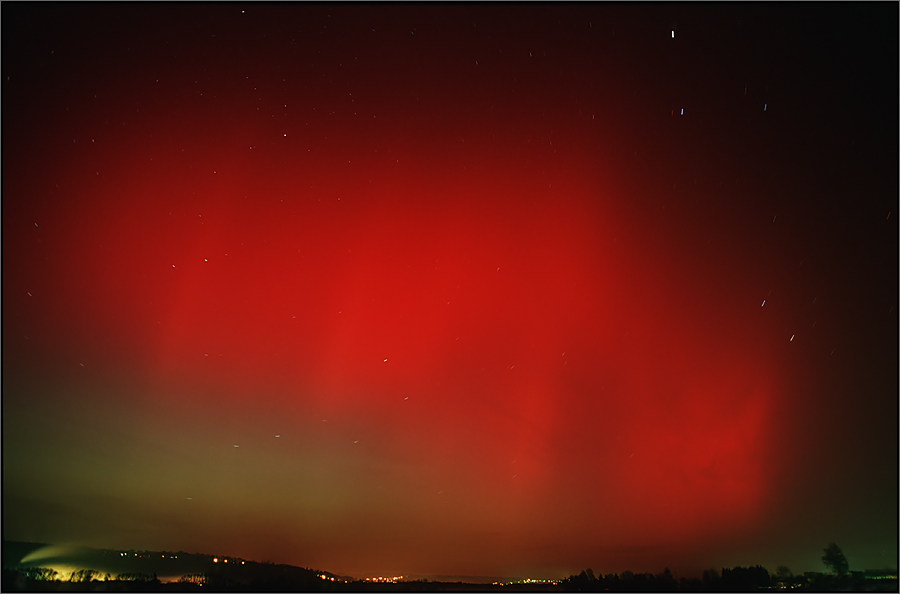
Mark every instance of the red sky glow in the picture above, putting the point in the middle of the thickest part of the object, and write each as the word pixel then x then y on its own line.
pixel 409 290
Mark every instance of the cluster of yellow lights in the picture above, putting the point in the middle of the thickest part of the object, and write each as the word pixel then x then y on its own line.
pixel 325 577
pixel 385 580
pixel 527 581
pixel 216 560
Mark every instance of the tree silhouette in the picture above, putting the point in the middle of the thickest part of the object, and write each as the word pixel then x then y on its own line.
pixel 193 578
pixel 742 579
pixel 711 579
pixel 41 574
pixel 84 575
pixel 835 560
pixel 786 577
pixel 665 581
pixel 136 577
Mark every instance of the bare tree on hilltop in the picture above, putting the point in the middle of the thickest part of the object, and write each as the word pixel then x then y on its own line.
pixel 835 560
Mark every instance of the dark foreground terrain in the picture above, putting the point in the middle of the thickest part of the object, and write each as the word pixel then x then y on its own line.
pixel 19 581
pixel 37 567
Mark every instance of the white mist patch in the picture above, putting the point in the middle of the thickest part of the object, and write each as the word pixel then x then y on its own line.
pixel 53 553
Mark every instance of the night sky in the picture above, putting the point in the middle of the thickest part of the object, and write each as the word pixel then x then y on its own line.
pixel 453 289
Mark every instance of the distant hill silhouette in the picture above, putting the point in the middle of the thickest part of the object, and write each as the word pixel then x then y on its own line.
pixel 140 568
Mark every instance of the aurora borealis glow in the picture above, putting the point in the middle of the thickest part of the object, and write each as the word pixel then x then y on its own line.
pixel 454 289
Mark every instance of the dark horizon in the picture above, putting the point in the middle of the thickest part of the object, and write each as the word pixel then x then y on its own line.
pixel 453 289
pixel 174 565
